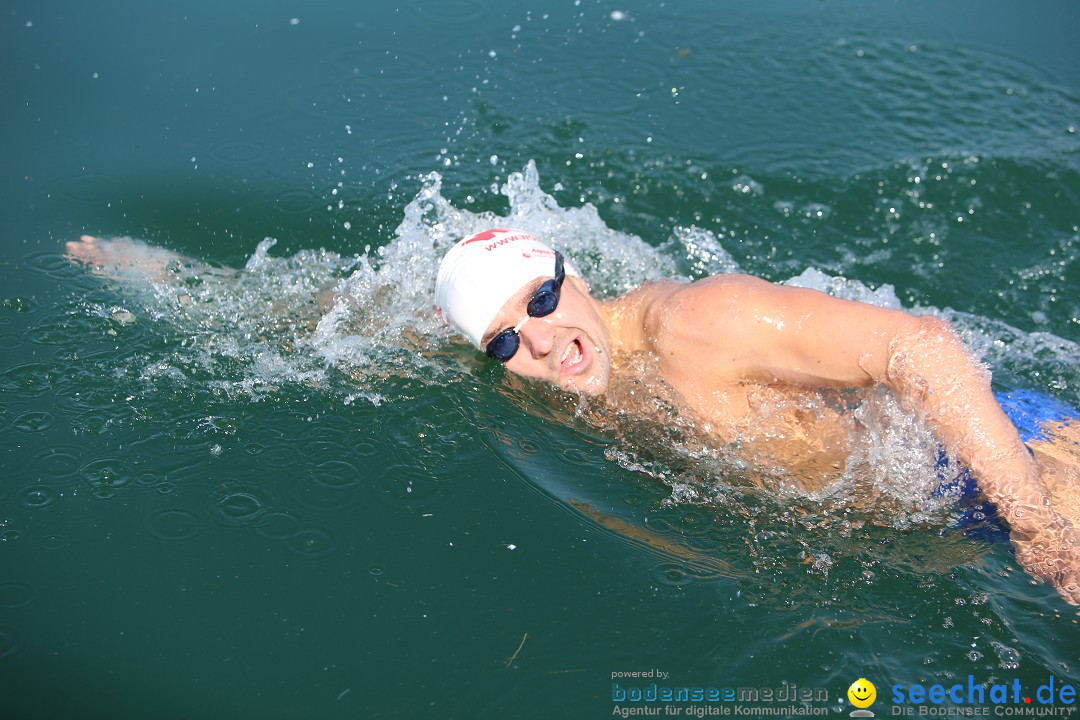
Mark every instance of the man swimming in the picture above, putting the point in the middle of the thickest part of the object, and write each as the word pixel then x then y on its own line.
pixel 728 343
pixel 744 363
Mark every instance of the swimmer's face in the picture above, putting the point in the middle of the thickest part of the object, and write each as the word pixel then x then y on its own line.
pixel 570 348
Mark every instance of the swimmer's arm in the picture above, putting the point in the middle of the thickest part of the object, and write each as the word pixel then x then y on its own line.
pixel 773 333
pixel 133 261
pixel 123 259
pixel 930 370
pixel 741 327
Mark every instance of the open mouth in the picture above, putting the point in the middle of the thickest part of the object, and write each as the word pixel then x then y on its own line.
pixel 573 358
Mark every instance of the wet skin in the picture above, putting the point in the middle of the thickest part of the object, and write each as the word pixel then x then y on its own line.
pixel 723 341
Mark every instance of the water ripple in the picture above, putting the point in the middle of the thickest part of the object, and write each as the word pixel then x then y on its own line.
pixel 19 305
pixel 238 506
pixel 365 448
pixel 452 11
pixel 8 644
pixel 52 543
pixel 405 485
pixel 323 495
pixel 57 329
pixel 175 525
pixel 34 421
pixel 88 188
pixel 313 542
pixel 300 201
pixel 670 574
pixel 336 474
pixel 28 380
pixel 15 595
pixel 55 462
pixel 105 476
pixel 37 496
pixel 10 341
pixel 49 264
pixel 278 525
pixel 238 151
pixel 278 456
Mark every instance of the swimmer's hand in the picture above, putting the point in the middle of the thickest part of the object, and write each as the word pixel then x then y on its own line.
pixel 1052 552
pixel 122 258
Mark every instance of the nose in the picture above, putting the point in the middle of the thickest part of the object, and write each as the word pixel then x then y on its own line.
pixel 537 336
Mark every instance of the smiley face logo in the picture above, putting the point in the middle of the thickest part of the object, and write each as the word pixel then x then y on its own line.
pixel 862 693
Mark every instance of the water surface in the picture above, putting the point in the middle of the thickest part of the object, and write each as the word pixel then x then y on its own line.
pixel 247 506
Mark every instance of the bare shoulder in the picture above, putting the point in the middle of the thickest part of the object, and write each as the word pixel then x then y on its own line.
pixel 702 302
pixel 742 327
pixel 685 323
pixel 745 300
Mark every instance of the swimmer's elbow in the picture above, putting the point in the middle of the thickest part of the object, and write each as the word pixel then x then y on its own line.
pixel 937 338
pixel 927 350
pixel 935 327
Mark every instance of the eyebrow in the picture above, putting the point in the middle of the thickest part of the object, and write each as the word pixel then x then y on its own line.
pixel 522 296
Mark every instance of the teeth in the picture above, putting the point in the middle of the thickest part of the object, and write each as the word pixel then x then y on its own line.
pixel 572 347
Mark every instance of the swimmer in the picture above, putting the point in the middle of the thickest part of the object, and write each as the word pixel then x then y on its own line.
pixel 732 349
pixel 724 343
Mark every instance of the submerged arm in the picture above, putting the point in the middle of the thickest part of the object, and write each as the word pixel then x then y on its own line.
pixel 931 371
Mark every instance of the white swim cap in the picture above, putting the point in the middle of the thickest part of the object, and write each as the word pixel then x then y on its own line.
pixel 479 274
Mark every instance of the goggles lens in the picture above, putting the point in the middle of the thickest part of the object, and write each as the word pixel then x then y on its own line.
pixel 543 302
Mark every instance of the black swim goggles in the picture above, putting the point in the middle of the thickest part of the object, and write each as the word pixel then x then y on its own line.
pixel 543 302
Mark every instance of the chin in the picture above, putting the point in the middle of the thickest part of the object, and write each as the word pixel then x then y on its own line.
pixel 592 384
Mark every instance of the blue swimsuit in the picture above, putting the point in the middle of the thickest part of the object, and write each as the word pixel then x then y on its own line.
pixel 1028 410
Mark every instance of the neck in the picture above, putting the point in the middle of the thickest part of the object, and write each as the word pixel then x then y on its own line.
pixel 624 318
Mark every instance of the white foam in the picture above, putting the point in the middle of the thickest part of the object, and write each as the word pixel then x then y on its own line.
pixel 841 287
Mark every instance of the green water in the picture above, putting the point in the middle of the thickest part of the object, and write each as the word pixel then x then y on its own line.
pixel 222 510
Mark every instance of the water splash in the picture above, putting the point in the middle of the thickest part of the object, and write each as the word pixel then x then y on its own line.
pixel 384 310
